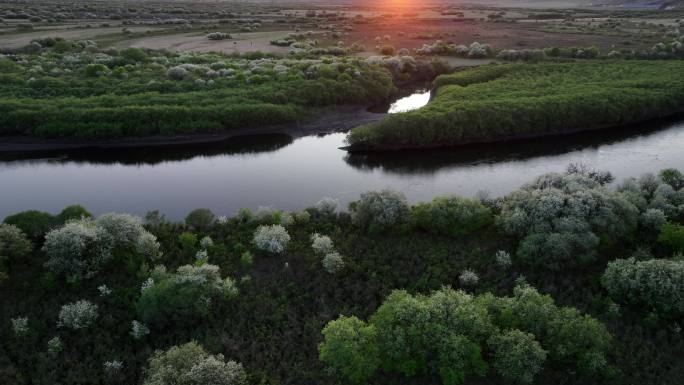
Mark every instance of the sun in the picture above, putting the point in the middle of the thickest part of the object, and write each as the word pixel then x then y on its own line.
pixel 399 3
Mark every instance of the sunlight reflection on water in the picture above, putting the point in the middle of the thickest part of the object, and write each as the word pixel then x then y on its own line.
pixel 409 103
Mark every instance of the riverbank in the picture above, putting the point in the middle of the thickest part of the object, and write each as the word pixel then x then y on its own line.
pixel 324 121
pixel 501 103
pixel 523 139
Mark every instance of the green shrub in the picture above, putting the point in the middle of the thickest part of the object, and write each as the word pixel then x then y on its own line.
pixel 673 177
pixel 388 50
pixel 33 223
pixel 451 215
pixel 672 236
pixel 14 246
pixel 173 95
pixel 184 296
pixel 654 284
pixel 446 333
pixel 518 357
pixel 95 70
pixel 73 212
pixel 200 219
pixel 133 55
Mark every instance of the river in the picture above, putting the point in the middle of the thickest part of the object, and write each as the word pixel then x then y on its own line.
pixel 277 171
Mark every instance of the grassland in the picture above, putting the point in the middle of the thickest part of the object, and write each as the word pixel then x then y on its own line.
pixel 511 101
pixel 77 90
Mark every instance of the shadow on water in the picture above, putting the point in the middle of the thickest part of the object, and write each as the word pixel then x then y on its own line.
pixel 239 145
pixel 416 162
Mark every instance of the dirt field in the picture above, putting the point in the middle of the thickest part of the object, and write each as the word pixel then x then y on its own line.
pixel 498 35
pixel 19 40
pixel 242 42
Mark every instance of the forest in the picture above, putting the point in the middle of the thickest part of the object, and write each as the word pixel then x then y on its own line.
pixel 573 278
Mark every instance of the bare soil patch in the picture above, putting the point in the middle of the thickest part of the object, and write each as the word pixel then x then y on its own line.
pixel 192 41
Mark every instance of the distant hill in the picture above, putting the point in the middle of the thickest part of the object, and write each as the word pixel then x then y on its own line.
pixel 627 4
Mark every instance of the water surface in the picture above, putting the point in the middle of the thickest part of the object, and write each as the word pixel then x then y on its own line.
pixel 274 170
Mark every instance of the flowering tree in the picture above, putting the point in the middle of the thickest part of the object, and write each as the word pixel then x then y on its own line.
pixel 379 210
pixel 561 219
pixel 468 278
pixel 77 315
pixel 327 206
pixel 190 364
pixel 321 244
pixel 80 247
pixel 20 326
pixel 272 239
pixel 655 284
pixel 333 262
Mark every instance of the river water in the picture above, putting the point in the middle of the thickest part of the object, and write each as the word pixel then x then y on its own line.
pixel 276 171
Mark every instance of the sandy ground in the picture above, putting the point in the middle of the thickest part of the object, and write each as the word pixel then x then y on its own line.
pixel 22 39
pixel 242 42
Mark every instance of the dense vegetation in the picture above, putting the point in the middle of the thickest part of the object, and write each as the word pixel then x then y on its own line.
pixel 566 281
pixel 501 102
pixel 76 89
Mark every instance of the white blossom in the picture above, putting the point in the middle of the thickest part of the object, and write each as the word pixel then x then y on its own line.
pixel 77 249
pixel 653 219
pixel 112 367
pixel 148 245
pixel 146 284
pixel 327 205
pixel 139 330
pixel 20 326
pixel 382 209
pixel 468 278
pixel 206 243
pixel 272 239
pixel 503 259
pixel 222 220
pixel 123 229
pixel 54 345
pixel 202 255
pixel 77 315
pixel 104 290
pixel 322 244
pixel 333 262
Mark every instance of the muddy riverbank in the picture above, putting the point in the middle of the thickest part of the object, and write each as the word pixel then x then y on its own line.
pixel 324 121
